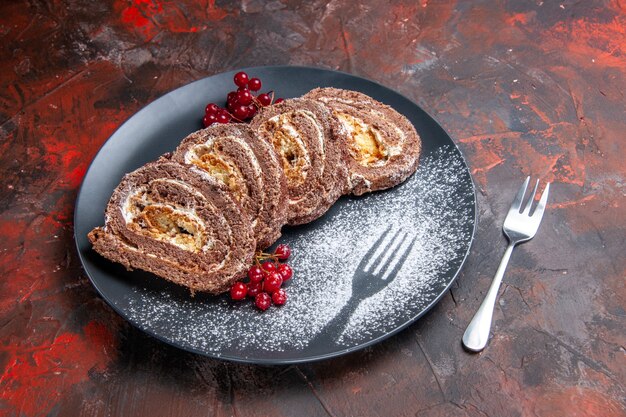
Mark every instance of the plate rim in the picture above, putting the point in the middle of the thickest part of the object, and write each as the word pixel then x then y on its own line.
pixel 308 359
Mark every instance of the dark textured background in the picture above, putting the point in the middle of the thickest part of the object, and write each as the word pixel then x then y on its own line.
pixel 524 87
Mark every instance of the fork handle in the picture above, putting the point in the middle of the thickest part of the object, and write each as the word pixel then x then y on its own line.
pixel 477 332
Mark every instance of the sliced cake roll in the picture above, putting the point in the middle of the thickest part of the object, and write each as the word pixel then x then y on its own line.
pixel 383 145
pixel 178 223
pixel 312 159
pixel 247 165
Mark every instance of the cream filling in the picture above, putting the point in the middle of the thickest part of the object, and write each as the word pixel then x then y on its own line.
pixel 340 100
pixel 366 141
pixel 130 214
pixel 392 150
pixel 353 177
pixel 289 146
pixel 194 153
pixel 207 146
pixel 282 122
pixel 210 243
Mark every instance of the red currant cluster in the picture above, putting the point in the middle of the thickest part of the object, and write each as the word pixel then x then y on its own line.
pixel 241 105
pixel 265 279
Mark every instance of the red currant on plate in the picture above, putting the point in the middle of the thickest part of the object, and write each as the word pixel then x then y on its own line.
pixel 209 119
pixel 240 112
pixel 241 79
pixel 244 96
pixel 285 271
pixel 255 274
pixel 268 266
pixel 223 118
pixel 282 251
pixel 241 105
pixel 279 100
pixel 279 297
pixel 254 288
pixel 272 282
pixel 251 110
pixel 264 99
pixel 254 84
pixel 211 108
pixel 262 301
pixel 238 291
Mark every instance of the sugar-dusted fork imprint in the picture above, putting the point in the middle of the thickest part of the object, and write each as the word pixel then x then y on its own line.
pixel 374 274
pixel 377 269
pixel 519 226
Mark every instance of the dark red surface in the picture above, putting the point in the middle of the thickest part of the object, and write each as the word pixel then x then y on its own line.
pixel 526 88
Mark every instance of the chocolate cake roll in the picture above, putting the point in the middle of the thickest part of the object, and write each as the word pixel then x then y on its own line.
pixel 247 165
pixel 383 145
pixel 312 159
pixel 178 223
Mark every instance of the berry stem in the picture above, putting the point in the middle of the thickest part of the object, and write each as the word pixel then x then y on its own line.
pixel 261 256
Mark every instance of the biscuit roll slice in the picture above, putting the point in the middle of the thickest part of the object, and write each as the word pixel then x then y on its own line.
pixel 383 146
pixel 235 156
pixel 178 223
pixel 301 132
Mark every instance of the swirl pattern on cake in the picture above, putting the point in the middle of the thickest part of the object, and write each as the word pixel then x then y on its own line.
pixel 233 155
pixel 383 146
pixel 178 223
pixel 313 160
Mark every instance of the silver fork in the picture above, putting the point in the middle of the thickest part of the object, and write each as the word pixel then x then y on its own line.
pixel 518 227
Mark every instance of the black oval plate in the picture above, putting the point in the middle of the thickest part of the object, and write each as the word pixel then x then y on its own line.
pixel 337 302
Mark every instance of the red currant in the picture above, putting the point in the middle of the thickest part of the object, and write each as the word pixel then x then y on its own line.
pixel 241 79
pixel 211 108
pixel 262 301
pixel 209 119
pixel 254 84
pixel 223 118
pixel 232 105
pixel 244 96
pixel 264 99
pixel 255 274
pixel 251 110
pixel 279 297
pixel 282 251
pixel 254 288
pixel 240 112
pixel 279 100
pixel 272 282
pixel 232 96
pixel 268 266
pixel 238 291
pixel 285 271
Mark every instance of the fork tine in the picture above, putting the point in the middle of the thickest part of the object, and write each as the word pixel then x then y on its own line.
pixel 372 249
pixel 531 199
pixel 517 202
pixel 384 252
pixel 541 206
pixel 401 261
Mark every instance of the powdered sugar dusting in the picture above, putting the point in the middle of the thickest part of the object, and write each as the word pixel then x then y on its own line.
pixel 434 210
